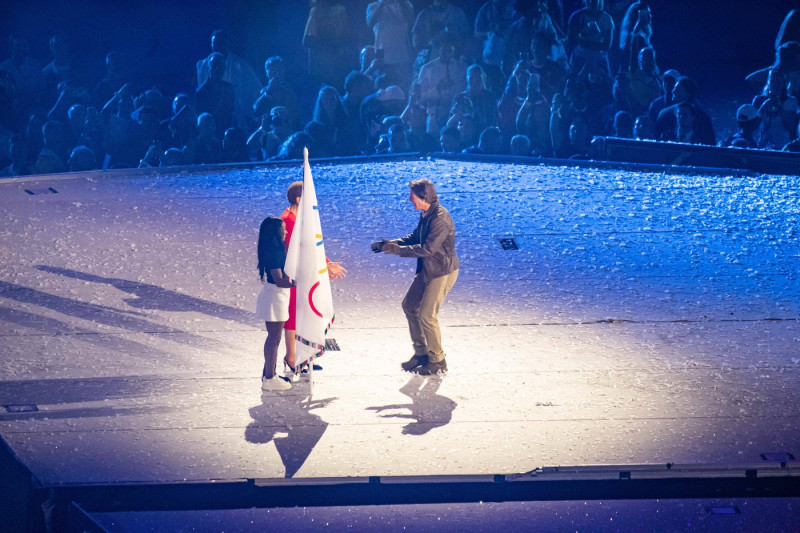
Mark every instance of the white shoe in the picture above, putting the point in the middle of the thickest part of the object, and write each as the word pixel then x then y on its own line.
pixel 275 383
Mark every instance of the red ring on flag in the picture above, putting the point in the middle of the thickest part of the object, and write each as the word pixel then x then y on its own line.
pixel 311 301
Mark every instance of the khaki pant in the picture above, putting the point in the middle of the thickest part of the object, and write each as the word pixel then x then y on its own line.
pixel 421 306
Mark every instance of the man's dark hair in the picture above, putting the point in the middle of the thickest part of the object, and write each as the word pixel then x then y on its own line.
pixel 294 192
pixel 424 189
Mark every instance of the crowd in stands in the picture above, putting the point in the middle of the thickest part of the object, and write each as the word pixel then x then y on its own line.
pixel 523 78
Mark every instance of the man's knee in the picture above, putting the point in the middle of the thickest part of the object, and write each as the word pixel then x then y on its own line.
pixel 410 309
pixel 429 320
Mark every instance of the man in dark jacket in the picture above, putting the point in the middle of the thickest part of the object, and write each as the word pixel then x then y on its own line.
pixel 433 244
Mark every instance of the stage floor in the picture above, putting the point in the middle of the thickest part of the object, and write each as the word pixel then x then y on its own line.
pixel 645 318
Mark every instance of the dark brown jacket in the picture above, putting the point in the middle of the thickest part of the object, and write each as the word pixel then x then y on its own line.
pixel 432 243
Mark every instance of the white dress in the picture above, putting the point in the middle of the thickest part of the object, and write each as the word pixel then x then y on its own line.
pixel 272 304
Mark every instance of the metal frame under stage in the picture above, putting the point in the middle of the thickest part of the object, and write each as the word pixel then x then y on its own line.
pixel 75 504
pixel 613 482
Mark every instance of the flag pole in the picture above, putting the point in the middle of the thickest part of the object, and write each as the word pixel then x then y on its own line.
pixel 310 378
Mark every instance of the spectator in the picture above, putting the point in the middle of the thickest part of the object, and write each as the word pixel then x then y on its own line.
pixel 235 71
pixel 560 119
pixel 372 113
pixel 644 129
pixel 484 103
pixel 468 130
pixel 370 64
pixel 645 82
pixel 257 139
pixel 292 147
pixel 209 147
pixel 357 87
pixel 514 96
pixel 794 145
pixel 152 98
pixel 172 157
pixel 180 129
pixel 441 79
pixel 93 130
pixel 322 138
pixel 490 142
pixel 76 133
pixel 589 34
pixel 533 119
pixel 596 91
pixel 116 116
pixel 437 19
pixel 115 77
pixel 533 23
pixel 277 92
pixel 579 138
pixel 520 145
pixel 151 158
pixel 787 53
pixel 68 95
pixel 415 118
pixel 685 91
pixel 52 157
pixel 81 159
pixel 392 100
pixel 143 133
pixel 330 114
pixel 61 68
pixel 450 140
pixel 636 32
pixel 398 142
pixel 777 111
pixel 215 95
pixel 279 130
pixel 668 81
pixel 623 125
pixel 18 154
pixel 234 146
pixel 462 105
pixel 326 40
pixel 748 121
pixel 34 138
pixel 390 21
pixel 493 31
pixel 552 74
pixel 686 130
pixel 28 78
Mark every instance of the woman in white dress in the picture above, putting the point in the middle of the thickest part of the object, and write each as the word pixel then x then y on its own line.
pixel 272 305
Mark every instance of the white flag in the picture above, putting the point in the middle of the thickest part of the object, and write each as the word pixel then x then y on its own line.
pixel 307 265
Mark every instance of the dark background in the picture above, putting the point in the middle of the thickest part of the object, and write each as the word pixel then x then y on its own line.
pixel 717 42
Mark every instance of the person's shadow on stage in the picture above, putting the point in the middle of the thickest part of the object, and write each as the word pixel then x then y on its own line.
pixel 428 409
pixel 146 296
pixel 287 420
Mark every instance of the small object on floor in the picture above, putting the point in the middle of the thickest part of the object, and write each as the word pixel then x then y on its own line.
pixel 275 383
pixel 414 362
pixel 431 369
